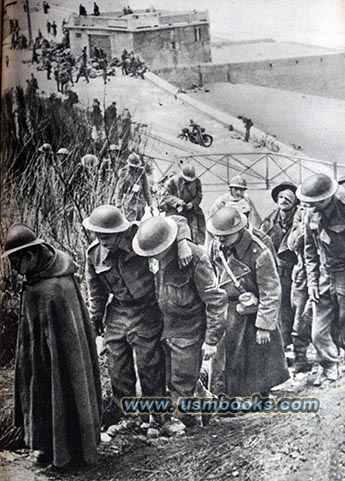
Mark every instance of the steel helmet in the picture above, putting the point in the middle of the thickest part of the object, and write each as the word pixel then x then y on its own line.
pixel 45 148
pixel 154 236
pixel 238 182
pixel 134 161
pixel 188 173
pixel 282 186
pixel 20 236
pixel 89 161
pixel 227 220
pixel 63 151
pixel 316 188
pixel 106 219
pixel 114 147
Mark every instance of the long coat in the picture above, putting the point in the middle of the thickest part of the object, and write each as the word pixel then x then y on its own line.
pixel 132 193
pixel 251 368
pixel 179 192
pixel 279 230
pixel 57 384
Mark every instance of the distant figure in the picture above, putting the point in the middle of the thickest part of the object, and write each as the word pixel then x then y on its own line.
pixel 39 34
pixel 7 60
pixel 132 192
pixel 104 66
pixel 124 62
pixel 83 72
pixel 48 67
pixel 34 55
pixel 96 117
pixel 54 28
pixel 82 10
pixel 110 118
pixel 95 9
pixel 46 7
pixel 84 56
pixel 248 124
pixel 48 27
pixel 13 42
pixel 182 196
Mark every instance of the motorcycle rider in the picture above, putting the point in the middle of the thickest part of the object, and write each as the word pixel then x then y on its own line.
pixel 196 130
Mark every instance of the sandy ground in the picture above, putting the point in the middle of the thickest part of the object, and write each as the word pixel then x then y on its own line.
pixel 316 124
pixel 255 51
pixel 260 447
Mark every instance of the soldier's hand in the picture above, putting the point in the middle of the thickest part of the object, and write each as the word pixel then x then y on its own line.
pixel 263 336
pixel 184 254
pixel 189 206
pixel 208 351
pixel 314 294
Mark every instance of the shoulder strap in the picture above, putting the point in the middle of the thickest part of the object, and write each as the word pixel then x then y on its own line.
pixel 230 273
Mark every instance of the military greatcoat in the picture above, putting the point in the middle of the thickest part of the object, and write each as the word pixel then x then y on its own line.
pixel 249 367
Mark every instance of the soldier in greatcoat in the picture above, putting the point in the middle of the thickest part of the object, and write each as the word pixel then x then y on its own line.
pixel 132 191
pixel 182 196
pixel 325 265
pixel 278 226
pixel 246 270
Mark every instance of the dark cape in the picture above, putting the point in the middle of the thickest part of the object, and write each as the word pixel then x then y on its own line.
pixel 57 384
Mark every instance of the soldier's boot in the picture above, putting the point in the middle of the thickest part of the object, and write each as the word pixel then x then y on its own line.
pixel 331 372
pixel 301 363
pixel 320 377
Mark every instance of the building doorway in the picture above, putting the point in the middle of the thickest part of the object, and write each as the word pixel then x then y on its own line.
pixel 100 42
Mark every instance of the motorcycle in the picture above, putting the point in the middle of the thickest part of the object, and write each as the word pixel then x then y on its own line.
pixel 204 139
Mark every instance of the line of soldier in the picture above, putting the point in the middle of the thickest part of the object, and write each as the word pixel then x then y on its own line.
pixel 165 306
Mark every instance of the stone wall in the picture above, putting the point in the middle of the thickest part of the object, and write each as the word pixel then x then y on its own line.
pixel 173 46
pixel 295 74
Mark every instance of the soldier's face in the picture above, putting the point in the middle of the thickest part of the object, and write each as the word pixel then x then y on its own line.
pixel 110 241
pixel 286 200
pixel 321 205
pixel 237 193
pixel 230 239
pixel 22 262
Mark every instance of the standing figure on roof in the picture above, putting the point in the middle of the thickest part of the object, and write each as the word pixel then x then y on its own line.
pixel 95 9
pixel 183 195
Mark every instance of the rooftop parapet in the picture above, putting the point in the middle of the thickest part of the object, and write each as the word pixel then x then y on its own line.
pixel 141 19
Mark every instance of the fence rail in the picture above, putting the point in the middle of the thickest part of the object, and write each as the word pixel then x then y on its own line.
pixel 262 170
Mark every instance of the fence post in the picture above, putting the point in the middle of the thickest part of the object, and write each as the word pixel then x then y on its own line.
pixel 335 170
pixel 267 173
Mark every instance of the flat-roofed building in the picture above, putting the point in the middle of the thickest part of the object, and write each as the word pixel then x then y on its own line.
pixel 160 38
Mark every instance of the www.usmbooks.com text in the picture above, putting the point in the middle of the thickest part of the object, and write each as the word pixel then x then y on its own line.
pixel 221 405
